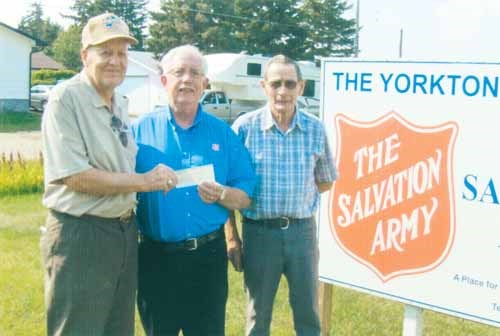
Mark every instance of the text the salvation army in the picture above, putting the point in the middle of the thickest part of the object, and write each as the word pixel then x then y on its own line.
pixel 403 185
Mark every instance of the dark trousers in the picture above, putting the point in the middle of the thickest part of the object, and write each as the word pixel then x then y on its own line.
pixel 183 290
pixel 90 269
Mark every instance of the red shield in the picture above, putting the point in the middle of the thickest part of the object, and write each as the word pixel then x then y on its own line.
pixel 392 207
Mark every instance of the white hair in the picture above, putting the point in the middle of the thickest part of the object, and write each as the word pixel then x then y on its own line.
pixel 167 59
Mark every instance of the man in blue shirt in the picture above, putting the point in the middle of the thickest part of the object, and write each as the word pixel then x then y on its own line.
pixel 182 254
pixel 293 162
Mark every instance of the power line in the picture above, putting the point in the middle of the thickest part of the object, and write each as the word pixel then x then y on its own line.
pixel 243 18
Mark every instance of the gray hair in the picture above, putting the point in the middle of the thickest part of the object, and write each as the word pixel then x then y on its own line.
pixel 282 59
pixel 167 59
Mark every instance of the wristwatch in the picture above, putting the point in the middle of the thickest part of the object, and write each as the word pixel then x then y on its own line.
pixel 222 194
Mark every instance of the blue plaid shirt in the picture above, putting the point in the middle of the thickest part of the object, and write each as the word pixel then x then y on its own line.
pixel 288 164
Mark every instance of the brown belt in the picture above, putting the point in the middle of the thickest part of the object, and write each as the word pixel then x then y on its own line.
pixel 190 244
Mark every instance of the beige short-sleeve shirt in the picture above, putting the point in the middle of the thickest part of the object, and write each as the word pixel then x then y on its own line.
pixel 77 136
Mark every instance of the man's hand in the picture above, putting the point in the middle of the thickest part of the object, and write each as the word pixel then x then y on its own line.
pixel 160 177
pixel 210 192
pixel 233 243
pixel 235 254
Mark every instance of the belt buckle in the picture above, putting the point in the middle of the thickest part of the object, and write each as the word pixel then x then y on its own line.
pixel 287 225
pixel 195 244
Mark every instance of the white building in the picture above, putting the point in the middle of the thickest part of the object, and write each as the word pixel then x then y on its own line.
pixel 142 84
pixel 15 65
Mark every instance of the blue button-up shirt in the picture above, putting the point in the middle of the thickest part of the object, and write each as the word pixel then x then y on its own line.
pixel 181 214
pixel 288 164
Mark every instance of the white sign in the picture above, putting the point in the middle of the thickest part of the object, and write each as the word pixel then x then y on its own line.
pixel 414 215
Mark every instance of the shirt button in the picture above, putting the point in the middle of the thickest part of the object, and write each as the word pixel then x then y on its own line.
pixel 187 193
pixel 189 214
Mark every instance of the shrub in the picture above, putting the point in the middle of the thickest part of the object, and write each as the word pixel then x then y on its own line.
pixel 20 176
pixel 47 76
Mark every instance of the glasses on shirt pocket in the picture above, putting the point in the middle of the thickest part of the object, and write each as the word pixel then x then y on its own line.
pixel 117 125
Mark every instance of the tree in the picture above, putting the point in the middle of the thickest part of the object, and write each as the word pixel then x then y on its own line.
pixel 132 12
pixel 42 29
pixel 298 29
pixel 270 27
pixel 195 22
pixel 328 33
pixel 66 47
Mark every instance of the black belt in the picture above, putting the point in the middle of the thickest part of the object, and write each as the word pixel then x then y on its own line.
pixel 190 244
pixel 278 222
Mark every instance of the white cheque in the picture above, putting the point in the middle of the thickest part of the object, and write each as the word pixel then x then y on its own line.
pixel 195 175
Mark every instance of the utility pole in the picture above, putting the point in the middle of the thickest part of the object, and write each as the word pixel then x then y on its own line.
pixel 401 43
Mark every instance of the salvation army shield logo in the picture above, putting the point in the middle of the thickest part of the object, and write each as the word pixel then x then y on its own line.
pixel 392 209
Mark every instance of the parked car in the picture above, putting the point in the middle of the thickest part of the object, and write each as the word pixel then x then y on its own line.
pixel 39 96
pixel 309 104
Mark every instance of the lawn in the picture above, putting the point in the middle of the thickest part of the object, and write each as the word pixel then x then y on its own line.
pixel 21 291
pixel 20 121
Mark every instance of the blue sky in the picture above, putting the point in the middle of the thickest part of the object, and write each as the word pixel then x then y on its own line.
pixel 465 30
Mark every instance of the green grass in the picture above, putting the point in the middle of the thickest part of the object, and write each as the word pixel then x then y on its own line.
pixel 20 121
pixel 21 291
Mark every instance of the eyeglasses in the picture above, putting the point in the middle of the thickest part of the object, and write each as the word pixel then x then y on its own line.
pixel 117 125
pixel 289 84
pixel 180 72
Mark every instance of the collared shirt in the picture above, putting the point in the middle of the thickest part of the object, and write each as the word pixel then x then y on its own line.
pixel 181 214
pixel 77 136
pixel 288 164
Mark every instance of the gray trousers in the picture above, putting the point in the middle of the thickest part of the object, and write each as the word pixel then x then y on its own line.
pixel 90 268
pixel 270 252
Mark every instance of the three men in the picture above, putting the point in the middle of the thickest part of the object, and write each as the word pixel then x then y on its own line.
pixel 89 247
pixel 182 254
pixel 293 163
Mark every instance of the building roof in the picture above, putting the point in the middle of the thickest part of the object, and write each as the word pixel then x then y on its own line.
pixel 41 61
pixel 19 32
pixel 144 59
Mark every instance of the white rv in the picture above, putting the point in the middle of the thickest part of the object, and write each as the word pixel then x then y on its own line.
pixel 235 84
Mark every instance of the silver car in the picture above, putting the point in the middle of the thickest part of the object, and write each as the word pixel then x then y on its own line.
pixel 39 96
pixel 309 104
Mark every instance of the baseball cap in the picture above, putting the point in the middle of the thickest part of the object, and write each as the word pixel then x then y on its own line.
pixel 105 27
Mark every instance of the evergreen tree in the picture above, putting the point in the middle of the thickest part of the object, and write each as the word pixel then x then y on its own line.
pixel 328 33
pixel 298 29
pixel 204 23
pixel 42 29
pixel 133 12
pixel 270 27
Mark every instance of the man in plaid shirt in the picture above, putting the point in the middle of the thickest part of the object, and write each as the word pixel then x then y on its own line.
pixel 293 163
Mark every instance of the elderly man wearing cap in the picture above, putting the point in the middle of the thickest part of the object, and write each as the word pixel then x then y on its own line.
pixel 89 243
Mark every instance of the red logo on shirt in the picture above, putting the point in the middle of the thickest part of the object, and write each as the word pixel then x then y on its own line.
pixel 393 208
pixel 215 147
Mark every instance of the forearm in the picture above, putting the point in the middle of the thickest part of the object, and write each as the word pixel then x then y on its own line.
pixel 101 183
pixel 235 199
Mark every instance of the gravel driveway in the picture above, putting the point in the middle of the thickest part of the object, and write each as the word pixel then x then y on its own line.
pixel 28 144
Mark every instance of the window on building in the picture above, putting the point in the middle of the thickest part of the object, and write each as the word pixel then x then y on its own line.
pixel 309 89
pixel 254 69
